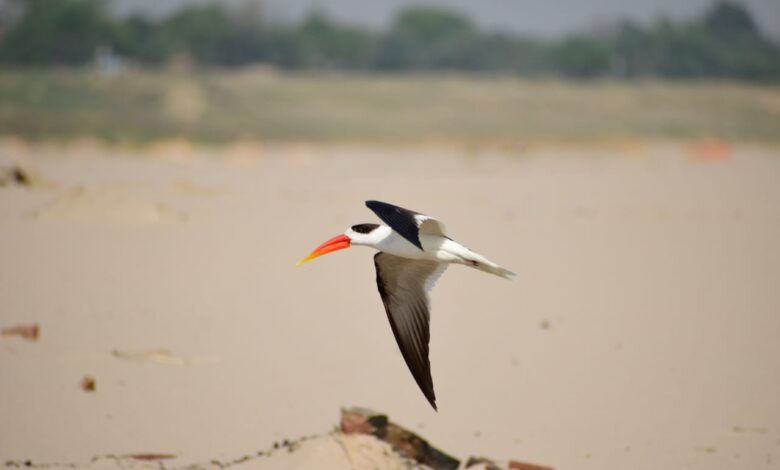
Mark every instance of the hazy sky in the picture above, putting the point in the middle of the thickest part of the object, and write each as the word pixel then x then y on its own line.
pixel 539 17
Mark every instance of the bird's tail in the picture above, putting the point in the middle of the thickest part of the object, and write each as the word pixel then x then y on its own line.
pixel 478 261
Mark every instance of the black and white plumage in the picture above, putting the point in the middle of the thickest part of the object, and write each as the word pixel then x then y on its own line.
pixel 408 224
pixel 414 253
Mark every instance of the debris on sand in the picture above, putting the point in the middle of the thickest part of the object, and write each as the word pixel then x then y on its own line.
pixel 17 175
pixel 406 443
pixel 482 463
pixel 486 464
pixel 88 383
pixel 517 465
pixel 413 447
pixel 160 356
pixel 14 176
pixel 29 332
pixel 150 457
pixel 365 439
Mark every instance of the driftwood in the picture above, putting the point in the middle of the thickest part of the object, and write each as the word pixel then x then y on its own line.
pixel 405 442
pixel 29 332
pixel 414 447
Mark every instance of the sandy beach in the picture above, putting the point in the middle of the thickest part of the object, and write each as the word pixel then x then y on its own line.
pixel 641 331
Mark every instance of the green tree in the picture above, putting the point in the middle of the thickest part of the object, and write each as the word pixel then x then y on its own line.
pixel 738 48
pixel 581 56
pixel 424 37
pixel 431 25
pixel 198 30
pixel 635 51
pixel 323 43
pixel 59 32
pixel 725 42
pixel 141 39
pixel 729 20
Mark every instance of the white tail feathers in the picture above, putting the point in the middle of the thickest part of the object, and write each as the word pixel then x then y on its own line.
pixel 499 271
pixel 483 264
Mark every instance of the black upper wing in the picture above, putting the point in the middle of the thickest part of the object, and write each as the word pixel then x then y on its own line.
pixel 404 284
pixel 403 221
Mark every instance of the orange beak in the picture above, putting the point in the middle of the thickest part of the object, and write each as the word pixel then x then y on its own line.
pixel 339 242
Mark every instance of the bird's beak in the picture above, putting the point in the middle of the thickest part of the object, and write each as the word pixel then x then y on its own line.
pixel 339 242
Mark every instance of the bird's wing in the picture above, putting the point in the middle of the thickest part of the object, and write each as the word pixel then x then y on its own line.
pixel 407 223
pixel 404 285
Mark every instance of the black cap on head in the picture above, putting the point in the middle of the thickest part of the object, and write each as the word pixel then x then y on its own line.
pixel 364 228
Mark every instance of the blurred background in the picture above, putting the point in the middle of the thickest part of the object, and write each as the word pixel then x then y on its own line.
pixel 164 163
pixel 216 72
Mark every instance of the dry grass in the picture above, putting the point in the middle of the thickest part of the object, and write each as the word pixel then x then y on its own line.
pixel 261 104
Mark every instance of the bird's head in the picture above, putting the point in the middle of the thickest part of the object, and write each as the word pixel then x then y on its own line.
pixel 360 234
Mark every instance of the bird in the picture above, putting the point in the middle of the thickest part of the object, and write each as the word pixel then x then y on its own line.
pixel 414 251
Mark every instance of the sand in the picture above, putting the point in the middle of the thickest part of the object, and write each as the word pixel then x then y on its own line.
pixel 641 330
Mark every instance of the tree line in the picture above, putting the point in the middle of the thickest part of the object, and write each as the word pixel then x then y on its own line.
pixel 724 42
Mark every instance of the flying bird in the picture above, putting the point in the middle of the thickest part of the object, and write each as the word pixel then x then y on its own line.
pixel 414 251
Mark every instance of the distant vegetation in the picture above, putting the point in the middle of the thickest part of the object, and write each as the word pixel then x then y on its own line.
pixel 724 42
pixel 222 106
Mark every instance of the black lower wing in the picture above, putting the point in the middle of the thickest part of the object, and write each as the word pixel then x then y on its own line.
pixel 403 285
